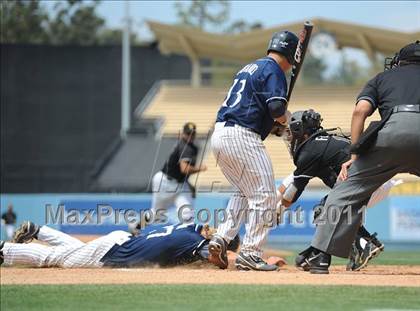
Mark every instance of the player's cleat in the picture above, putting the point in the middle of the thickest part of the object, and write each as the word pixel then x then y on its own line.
pixel 1 252
pixel 300 263
pixel 317 262
pixel 253 262
pixel 372 248
pixel 217 250
pixel 376 242
pixel 300 260
pixel 26 232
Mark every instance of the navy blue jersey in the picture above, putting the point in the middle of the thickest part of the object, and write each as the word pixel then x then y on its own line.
pixel 168 245
pixel 254 86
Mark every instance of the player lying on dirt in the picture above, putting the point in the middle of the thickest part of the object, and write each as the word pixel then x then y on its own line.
pixel 320 153
pixel 166 246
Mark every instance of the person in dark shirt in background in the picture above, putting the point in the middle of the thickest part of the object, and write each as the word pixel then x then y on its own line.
pixel 8 219
pixel 170 185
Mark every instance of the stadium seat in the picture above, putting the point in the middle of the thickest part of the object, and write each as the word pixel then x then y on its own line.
pixel 177 104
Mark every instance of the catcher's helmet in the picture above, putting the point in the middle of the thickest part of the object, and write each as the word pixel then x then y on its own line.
pixel 408 54
pixel 301 123
pixel 284 43
pixel 304 122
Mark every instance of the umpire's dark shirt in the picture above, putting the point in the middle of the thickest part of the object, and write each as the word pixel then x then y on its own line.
pixel 397 86
pixel 320 156
pixel 183 151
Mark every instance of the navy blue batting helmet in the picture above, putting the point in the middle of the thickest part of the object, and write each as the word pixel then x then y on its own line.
pixel 284 43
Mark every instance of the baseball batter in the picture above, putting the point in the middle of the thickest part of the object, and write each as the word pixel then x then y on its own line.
pixel 255 100
pixel 165 246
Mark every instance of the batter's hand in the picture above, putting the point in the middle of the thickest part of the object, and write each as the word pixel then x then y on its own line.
pixel 288 116
pixel 278 129
pixel 344 169
pixel 203 168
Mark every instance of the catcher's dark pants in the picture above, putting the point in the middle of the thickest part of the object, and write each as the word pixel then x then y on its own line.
pixel 396 150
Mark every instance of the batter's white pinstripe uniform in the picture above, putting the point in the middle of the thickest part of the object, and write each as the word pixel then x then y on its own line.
pixel 63 250
pixel 243 122
pixel 244 161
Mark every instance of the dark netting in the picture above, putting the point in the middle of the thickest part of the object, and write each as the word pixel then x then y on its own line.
pixel 60 110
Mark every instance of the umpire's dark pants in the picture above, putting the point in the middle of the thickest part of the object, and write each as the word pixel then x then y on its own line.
pixel 396 150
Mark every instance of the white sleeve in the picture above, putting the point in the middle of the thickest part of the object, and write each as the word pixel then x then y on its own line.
pixel 285 183
pixel 288 180
pixel 382 192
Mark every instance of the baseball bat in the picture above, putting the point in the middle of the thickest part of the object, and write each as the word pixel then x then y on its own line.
pixel 301 48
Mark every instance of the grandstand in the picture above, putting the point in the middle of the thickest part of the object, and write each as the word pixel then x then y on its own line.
pixel 168 105
pixel 176 104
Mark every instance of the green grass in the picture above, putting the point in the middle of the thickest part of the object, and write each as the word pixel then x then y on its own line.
pixel 206 297
pixel 385 258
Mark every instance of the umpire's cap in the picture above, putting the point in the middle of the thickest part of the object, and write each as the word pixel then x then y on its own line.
pixel 410 53
pixel 189 128
pixel 284 43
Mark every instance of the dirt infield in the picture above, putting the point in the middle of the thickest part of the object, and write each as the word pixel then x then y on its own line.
pixel 203 273
pixel 374 276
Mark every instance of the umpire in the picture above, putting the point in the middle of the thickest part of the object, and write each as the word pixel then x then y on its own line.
pixel 387 147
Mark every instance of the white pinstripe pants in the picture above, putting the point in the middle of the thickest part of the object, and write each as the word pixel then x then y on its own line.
pixel 63 250
pixel 244 161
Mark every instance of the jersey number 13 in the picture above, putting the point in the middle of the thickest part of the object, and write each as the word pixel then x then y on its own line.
pixel 238 93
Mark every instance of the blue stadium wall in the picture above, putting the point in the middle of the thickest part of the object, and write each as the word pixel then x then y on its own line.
pixel 396 219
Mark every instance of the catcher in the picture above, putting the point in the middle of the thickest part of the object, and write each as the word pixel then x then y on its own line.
pixel 319 153
pixel 166 246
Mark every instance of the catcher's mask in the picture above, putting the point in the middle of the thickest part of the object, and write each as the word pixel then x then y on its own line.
pixel 302 124
pixel 407 55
